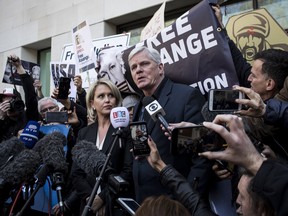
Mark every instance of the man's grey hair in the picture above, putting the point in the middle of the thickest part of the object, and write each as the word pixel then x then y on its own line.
pixel 40 102
pixel 151 52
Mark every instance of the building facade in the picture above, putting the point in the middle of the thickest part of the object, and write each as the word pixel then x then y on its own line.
pixel 37 30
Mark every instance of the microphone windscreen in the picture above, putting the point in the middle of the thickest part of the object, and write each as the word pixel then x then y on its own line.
pixel 51 150
pixel 88 157
pixel 22 168
pixel 30 134
pixel 8 148
pixel 119 117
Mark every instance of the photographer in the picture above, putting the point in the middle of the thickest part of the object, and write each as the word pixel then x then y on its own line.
pixel 13 115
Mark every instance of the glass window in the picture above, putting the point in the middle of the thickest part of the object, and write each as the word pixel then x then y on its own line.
pixel 278 9
pixel 44 61
pixel 233 9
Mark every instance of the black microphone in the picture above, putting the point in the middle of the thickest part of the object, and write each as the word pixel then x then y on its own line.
pixel 88 157
pixel 156 111
pixel 8 149
pixel 21 169
pixel 94 162
pixel 51 150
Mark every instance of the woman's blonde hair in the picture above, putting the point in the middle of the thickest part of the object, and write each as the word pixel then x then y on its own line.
pixel 92 114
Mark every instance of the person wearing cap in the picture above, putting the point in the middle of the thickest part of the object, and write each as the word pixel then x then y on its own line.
pixel 129 102
pixel 14 114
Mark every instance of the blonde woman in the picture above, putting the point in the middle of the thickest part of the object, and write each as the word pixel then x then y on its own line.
pixel 101 98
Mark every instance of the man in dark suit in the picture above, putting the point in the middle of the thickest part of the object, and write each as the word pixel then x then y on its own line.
pixel 181 103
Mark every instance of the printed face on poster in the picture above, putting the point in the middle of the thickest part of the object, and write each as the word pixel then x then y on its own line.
pixel 116 41
pixel 12 77
pixel 82 43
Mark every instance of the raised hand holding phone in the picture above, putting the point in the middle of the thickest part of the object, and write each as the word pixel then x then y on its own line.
pixel 139 134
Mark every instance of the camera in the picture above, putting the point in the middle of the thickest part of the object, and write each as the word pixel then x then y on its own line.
pixel 17 104
pixel 117 185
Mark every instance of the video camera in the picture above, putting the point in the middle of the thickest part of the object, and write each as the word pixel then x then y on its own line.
pixel 17 104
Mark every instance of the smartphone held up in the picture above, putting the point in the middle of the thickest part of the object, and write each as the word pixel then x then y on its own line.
pixel 139 134
pixel 64 87
pixel 223 100
pixel 195 139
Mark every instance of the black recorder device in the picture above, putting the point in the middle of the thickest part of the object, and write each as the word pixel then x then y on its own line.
pixel 139 135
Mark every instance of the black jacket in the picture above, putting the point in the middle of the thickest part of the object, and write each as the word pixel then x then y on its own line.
pixel 276 113
pixel 271 182
pixel 9 127
pixel 181 103
pixel 181 189
pixel 120 161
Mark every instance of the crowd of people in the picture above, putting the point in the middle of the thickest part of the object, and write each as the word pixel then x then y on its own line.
pixel 164 183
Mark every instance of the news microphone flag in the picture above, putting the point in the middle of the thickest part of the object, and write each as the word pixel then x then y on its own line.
pixel 119 117
pixel 153 107
pixel 30 134
pixel 156 111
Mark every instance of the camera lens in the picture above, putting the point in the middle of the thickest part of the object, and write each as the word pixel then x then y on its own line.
pixel 16 104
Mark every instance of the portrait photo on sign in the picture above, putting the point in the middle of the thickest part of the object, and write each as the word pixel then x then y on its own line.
pixel 110 65
pixel 12 77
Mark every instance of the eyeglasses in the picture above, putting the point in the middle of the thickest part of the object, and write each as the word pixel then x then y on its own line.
pixel 51 108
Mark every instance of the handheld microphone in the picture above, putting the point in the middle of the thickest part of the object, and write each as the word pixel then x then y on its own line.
pixel 88 157
pixel 156 111
pixel 9 149
pixel 119 118
pixel 30 134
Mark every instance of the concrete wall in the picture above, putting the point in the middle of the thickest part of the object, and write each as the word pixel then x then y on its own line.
pixel 30 25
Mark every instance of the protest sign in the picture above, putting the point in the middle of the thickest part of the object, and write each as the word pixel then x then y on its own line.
pixel 255 31
pixel 155 25
pixel 194 50
pixel 59 69
pixel 68 54
pixel 82 43
pixel 12 77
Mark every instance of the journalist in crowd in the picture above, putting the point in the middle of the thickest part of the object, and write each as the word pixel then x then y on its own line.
pixel 14 113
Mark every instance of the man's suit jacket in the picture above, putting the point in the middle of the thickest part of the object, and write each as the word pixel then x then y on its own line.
pixel 181 103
